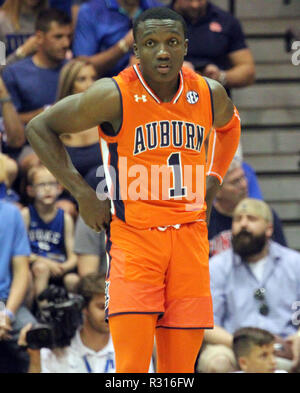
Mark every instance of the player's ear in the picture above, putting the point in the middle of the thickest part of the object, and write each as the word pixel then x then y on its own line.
pixel 135 50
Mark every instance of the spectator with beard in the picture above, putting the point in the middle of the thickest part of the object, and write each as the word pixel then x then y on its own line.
pixel 256 282
pixel 235 187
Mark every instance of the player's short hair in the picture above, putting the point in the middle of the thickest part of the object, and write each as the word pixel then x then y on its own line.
pixel 90 285
pixel 246 338
pixel 159 13
pixel 45 17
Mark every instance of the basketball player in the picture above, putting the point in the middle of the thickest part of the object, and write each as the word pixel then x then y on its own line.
pixel 152 115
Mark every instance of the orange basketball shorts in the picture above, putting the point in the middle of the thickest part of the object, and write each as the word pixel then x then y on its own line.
pixel 160 272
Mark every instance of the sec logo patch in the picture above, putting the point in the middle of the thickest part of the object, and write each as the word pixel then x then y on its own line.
pixel 192 97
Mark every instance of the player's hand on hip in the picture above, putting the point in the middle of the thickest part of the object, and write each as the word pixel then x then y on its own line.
pixel 95 212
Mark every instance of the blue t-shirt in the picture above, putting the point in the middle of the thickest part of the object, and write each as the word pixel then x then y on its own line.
pixel 100 25
pixel 31 87
pixel 47 239
pixel 213 37
pixel 254 190
pixel 13 242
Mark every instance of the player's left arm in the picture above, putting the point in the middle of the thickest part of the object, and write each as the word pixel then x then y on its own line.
pixel 223 141
pixel 71 261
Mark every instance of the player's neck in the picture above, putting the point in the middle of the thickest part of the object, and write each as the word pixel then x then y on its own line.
pixel 41 60
pixel 46 212
pixel 164 91
pixel 92 339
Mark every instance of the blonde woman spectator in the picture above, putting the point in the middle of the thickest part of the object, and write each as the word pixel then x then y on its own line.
pixel 83 148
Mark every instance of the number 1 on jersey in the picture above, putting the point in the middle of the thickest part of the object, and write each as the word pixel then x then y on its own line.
pixel 174 161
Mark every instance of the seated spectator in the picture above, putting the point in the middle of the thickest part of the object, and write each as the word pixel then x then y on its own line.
pixel 254 350
pixel 104 33
pixel 256 282
pixel 50 233
pixel 233 190
pixel 17 21
pixel 217 47
pixel 76 77
pixel 32 82
pixel 89 246
pixel 91 350
pixel 14 280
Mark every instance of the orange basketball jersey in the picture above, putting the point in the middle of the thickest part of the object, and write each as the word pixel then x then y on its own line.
pixel 155 166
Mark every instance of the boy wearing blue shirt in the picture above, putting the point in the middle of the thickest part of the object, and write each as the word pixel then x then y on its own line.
pixel 50 232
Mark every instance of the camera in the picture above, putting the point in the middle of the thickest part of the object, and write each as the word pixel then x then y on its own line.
pixel 58 319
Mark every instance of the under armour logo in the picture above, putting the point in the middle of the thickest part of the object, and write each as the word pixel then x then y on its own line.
pixel 107 283
pixel 137 98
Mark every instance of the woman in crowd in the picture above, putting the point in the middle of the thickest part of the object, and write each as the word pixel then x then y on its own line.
pixel 17 21
pixel 83 148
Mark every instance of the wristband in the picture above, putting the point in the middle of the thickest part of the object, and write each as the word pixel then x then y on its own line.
pixel 5 99
pixel 123 46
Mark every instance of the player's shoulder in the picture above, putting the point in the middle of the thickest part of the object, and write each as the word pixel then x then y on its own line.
pixel 128 75
pixel 103 88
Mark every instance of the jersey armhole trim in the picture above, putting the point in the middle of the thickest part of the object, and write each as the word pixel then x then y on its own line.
pixel 121 123
pixel 211 101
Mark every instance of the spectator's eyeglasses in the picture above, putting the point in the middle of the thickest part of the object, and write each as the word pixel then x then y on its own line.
pixel 50 184
pixel 259 294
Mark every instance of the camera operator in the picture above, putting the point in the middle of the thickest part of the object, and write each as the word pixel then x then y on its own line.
pixel 91 349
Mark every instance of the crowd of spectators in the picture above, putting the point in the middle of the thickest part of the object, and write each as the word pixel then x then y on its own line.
pixel 58 48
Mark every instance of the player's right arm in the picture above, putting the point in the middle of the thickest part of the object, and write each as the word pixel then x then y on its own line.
pixel 100 103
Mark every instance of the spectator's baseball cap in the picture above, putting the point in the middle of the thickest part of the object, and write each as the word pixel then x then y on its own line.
pixel 255 207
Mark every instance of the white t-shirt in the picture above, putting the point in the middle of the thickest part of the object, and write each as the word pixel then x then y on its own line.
pixel 77 358
pixel 257 268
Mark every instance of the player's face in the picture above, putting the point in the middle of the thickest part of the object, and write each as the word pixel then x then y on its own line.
pixel 235 186
pixel 191 9
pixel 160 47
pixel 85 78
pixel 260 360
pixel 95 314
pixel 56 41
pixel 45 187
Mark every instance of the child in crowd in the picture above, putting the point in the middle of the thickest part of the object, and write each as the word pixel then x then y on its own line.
pixel 254 350
pixel 50 231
